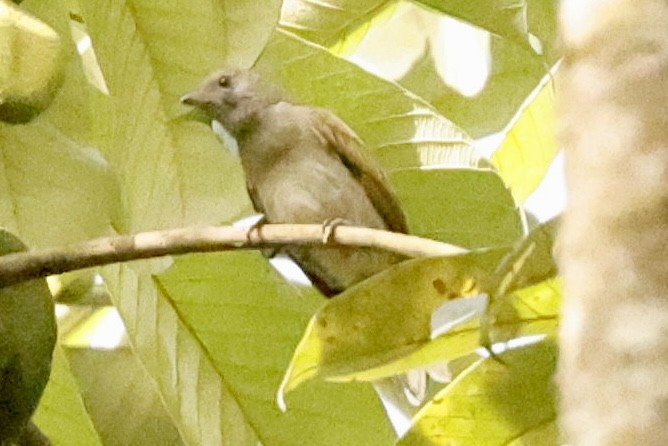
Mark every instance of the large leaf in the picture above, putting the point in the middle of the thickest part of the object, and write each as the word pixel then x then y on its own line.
pixel 111 381
pixel 161 171
pixel 54 191
pixel 53 188
pixel 530 143
pixel 464 207
pixel 513 74
pixel 494 403
pixel 399 128
pixel 468 207
pixel 385 318
pixel 506 18
pixel 529 311
pixel 530 262
pixel 62 414
pixel 385 325
pixel 170 173
pixel 249 320
pixel 187 382
pixel 185 40
pixel 327 22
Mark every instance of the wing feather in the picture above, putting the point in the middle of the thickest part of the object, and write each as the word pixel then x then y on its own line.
pixel 345 142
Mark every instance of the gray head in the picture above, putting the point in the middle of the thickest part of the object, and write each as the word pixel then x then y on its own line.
pixel 233 98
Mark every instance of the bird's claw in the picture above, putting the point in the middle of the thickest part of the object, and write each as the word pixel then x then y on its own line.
pixel 253 233
pixel 253 230
pixel 328 228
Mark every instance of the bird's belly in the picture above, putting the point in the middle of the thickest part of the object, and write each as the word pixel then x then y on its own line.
pixel 314 194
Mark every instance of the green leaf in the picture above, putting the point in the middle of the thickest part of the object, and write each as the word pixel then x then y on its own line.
pixel 530 144
pixel 62 414
pixel 399 128
pixel 168 168
pixel 326 23
pixel 184 41
pixel 533 310
pixel 47 177
pixel 188 384
pixel 365 334
pixel 79 196
pixel 170 173
pixel 507 18
pixel 529 311
pixel 384 319
pixel 111 379
pixel 248 320
pixel 464 207
pixel 531 260
pixel 514 72
pixel 494 403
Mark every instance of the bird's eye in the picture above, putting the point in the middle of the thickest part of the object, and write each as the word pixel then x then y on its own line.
pixel 224 81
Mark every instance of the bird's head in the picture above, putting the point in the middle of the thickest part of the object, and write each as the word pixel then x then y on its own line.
pixel 232 98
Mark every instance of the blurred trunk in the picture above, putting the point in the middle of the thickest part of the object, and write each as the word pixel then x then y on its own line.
pixel 614 242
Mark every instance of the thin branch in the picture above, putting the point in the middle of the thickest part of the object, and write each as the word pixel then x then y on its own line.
pixel 18 267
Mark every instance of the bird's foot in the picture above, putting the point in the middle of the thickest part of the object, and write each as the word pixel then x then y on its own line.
pixel 253 232
pixel 254 235
pixel 329 226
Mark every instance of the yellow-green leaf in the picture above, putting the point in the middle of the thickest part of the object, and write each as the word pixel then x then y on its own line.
pixel 530 143
pixel 493 403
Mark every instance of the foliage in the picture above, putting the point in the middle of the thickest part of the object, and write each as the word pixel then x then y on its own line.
pixel 210 337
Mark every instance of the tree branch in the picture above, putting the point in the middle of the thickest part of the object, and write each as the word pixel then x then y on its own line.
pixel 18 267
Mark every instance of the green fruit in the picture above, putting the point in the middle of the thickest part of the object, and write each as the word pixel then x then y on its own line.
pixel 31 64
pixel 27 339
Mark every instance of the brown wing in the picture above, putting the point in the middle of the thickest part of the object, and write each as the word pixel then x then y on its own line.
pixel 345 142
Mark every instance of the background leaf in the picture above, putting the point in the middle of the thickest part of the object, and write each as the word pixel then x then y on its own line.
pixel 507 18
pixel 249 320
pixel 385 318
pixel 327 22
pixel 465 207
pixel 530 144
pixel 493 403
pixel 399 128
pixel 62 414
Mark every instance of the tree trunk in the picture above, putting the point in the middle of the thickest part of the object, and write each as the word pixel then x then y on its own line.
pixel 613 253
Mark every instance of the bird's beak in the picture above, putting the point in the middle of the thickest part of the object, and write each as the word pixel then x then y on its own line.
pixel 193 98
pixel 198 113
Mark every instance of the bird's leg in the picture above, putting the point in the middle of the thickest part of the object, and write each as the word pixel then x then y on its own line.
pixel 254 232
pixel 329 226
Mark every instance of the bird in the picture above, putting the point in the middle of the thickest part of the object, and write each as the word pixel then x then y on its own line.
pixel 303 164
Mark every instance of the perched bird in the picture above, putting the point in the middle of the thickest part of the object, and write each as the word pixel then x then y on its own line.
pixel 304 165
